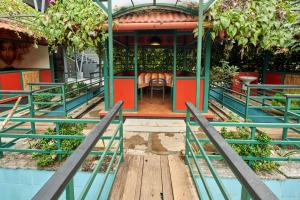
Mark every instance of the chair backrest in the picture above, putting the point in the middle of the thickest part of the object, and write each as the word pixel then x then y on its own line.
pixel 158 82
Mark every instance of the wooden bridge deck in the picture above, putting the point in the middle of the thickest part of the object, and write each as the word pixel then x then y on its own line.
pixel 153 177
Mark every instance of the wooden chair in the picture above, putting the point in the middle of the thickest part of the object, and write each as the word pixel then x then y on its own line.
pixel 158 84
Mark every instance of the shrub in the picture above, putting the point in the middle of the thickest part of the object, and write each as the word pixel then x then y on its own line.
pixel 282 102
pixel 44 160
pixel 256 150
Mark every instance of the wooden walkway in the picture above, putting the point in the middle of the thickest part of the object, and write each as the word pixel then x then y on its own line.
pixel 153 177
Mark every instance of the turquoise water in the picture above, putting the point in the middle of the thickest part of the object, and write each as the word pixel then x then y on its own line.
pixel 23 184
pixel 287 189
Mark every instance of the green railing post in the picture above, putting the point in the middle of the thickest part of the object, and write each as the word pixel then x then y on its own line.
pixel 245 195
pixel 31 111
pixel 247 102
pixel 70 191
pixel 64 99
pixel 121 133
pixel 252 137
pixel 1 152
pixel 187 135
pixel 58 141
pixel 286 117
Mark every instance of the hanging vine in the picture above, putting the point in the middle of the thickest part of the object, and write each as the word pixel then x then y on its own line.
pixel 74 24
pixel 266 24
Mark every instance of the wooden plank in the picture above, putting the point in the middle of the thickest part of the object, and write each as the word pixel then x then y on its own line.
pixel 183 186
pixel 119 183
pixel 134 179
pixel 166 178
pixel 151 180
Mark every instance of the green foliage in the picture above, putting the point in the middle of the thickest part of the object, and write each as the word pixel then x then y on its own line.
pixel 81 86
pixel 266 24
pixel 223 74
pixel 42 99
pixel 75 24
pixel 18 7
pixel 44 160
pixel 69 87
pixel 282 102
pixel 257 150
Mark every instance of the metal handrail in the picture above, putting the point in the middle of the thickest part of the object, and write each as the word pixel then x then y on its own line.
pixel 254 186
pixel 54 187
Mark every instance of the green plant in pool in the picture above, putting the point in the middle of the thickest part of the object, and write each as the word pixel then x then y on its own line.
pixel 256 150
pixel 44 160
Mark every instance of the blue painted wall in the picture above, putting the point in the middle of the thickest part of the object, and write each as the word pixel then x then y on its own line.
pixel 23 184
pixel 287 189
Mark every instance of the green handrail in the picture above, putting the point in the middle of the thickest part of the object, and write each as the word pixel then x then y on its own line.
pixel 252 186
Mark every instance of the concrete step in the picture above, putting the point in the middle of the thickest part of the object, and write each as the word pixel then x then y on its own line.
pixel 154 125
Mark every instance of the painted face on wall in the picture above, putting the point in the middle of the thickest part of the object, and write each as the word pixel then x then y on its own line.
pixel 7 52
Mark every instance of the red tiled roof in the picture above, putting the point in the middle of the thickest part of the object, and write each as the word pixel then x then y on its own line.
pixel 155 16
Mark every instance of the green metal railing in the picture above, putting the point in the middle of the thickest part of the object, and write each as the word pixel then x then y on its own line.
pixel 291 114
pixel 61 94
pixel 113 146
pixel 256 96
pixel 63 178
pixel 195 150
pixel 25 106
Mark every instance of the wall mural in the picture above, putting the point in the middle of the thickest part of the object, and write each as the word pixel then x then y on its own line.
pixel 16 55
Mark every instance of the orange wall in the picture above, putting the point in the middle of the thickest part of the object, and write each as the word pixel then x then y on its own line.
pixel 186 91
pixel 124 90
pixel 46 76
pixel 10 81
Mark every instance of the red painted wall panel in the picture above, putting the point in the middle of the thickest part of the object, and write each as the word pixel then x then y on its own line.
pixel 186 91
pixel 46 76
pixel 10 81
pixel 274 78
pixel 124 90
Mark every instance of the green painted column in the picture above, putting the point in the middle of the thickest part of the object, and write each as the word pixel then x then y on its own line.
pixel 135 71
pixel 199 52
pixel 105 74
pixel 174 69
pixel 110 55
pixel 51 63
pixel 208 43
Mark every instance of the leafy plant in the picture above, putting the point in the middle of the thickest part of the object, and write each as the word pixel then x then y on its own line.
pixel 69 87
pixel 282 102
pixel 44 160
pixel 42 99
pixel 266 24
pixel 256 150
pixel 81 86
pixel 74 24
pixel 223 74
